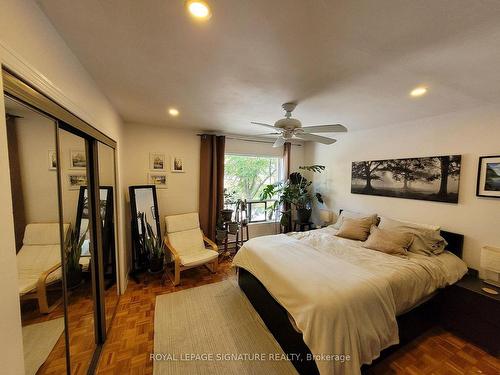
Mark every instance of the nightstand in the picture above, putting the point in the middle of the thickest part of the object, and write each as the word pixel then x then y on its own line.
pixel 472 313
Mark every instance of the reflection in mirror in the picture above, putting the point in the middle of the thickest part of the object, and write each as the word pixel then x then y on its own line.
pixel 31 141
pixel 78 253
pixel 143 209
pixel 106 158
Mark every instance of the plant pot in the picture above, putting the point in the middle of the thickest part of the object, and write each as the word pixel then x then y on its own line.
pixel 233 227
pixel 220 235
pixel 227 214
pixel 156 264
pixel 74 277
pixel 304 215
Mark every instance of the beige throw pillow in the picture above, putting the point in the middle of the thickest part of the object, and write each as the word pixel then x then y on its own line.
pixel 357 229
pixel 427 239
pixel 388 241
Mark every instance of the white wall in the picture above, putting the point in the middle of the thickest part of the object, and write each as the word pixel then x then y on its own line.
pixel 30 46
pixel 471 134
pixel 182 193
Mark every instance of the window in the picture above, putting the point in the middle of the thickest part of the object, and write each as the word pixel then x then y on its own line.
pixel 246 176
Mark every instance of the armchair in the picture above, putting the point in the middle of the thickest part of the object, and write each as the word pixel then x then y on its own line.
pixel 186 243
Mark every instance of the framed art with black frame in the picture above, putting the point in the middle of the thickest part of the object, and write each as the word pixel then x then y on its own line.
pixel 488 177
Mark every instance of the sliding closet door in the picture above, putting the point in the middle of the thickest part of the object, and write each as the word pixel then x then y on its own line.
pixel 107 188
pixel 33 163
pixel 80 251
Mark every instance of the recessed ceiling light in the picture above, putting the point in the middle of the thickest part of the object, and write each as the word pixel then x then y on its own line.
pixel 418 91
pixel 173 112
pixel 199 9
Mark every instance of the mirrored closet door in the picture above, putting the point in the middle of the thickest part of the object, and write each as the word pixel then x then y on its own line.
pixel 33 157
pixel 63 193
pixel 79 250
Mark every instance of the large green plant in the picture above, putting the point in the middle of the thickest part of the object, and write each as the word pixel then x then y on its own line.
pixel 152 244
pixel 73 249
pixel 295 191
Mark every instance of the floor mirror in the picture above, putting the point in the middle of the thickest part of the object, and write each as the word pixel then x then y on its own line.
pixel 63 182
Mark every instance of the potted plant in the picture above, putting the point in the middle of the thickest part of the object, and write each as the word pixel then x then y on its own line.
pixel 229 201
pixel 294 192
pixel 153 246
pixel 221 232
pixel 73 251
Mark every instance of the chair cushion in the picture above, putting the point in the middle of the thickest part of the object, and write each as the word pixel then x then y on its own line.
pixel 43 234
pixel 198 258
pixel 180 223
pixel 187 242
pixel 32 261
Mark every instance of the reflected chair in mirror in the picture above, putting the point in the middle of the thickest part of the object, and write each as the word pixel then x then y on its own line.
pixel 39 263
pixel 143 206
pixel 186 242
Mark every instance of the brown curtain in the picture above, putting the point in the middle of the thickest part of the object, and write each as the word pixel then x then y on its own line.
pixel 211 182
pixel 16 182
pixel 287 150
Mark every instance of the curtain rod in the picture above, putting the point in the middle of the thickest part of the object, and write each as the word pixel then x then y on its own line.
pixel 245 139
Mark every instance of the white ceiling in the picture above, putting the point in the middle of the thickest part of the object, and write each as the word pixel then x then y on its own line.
pixel 347 61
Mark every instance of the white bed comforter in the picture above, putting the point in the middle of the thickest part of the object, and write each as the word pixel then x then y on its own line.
pixel 344 298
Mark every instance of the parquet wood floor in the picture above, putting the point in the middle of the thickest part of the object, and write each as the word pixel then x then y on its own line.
pixel 81 328
pixel 130 340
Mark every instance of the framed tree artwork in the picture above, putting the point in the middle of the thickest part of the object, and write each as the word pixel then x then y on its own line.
pixel 52 160
pixel 156 161
pixel 177 164
pixel 488 177
pixel 434 178
pixel 78 159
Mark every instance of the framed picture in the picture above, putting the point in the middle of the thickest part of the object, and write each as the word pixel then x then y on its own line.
pixel 158 179
pixel 156 161
pixel 76 180
pixel 52 160
pixel 78 159
pixel 488 177
pixel 434 178
pixel 177 164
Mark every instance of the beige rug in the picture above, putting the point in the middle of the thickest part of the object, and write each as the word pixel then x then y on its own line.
pixel 213 329
pixel 39 340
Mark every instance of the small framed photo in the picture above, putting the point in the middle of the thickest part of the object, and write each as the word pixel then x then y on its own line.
pixel 156 161
pixel 76 180
pixel 158 179
pixel 78 159
pixel 488 177
pixel 177 164
pixel 52 160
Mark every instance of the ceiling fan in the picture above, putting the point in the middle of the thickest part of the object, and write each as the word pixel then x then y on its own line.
pixel 288 128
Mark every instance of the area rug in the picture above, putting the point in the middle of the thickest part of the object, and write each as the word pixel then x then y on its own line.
pixel 213 329
pixel 39 340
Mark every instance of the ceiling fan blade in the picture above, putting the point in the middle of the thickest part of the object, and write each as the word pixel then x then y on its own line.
pixel 334 128
pixel 262 124
pixel 316 138
pixel 263 134
pixel 279 142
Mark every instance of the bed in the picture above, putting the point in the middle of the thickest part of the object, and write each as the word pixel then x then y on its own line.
pixel 308 286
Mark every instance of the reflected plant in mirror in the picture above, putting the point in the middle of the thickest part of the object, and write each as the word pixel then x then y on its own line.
pixel 73 250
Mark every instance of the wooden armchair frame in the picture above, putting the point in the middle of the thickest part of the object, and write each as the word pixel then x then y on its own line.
pixel 178 268
pixel 40 293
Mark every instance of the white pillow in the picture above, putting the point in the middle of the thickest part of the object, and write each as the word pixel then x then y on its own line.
pixel 346 214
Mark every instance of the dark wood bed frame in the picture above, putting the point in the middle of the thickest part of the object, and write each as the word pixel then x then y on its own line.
pixel 411 324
